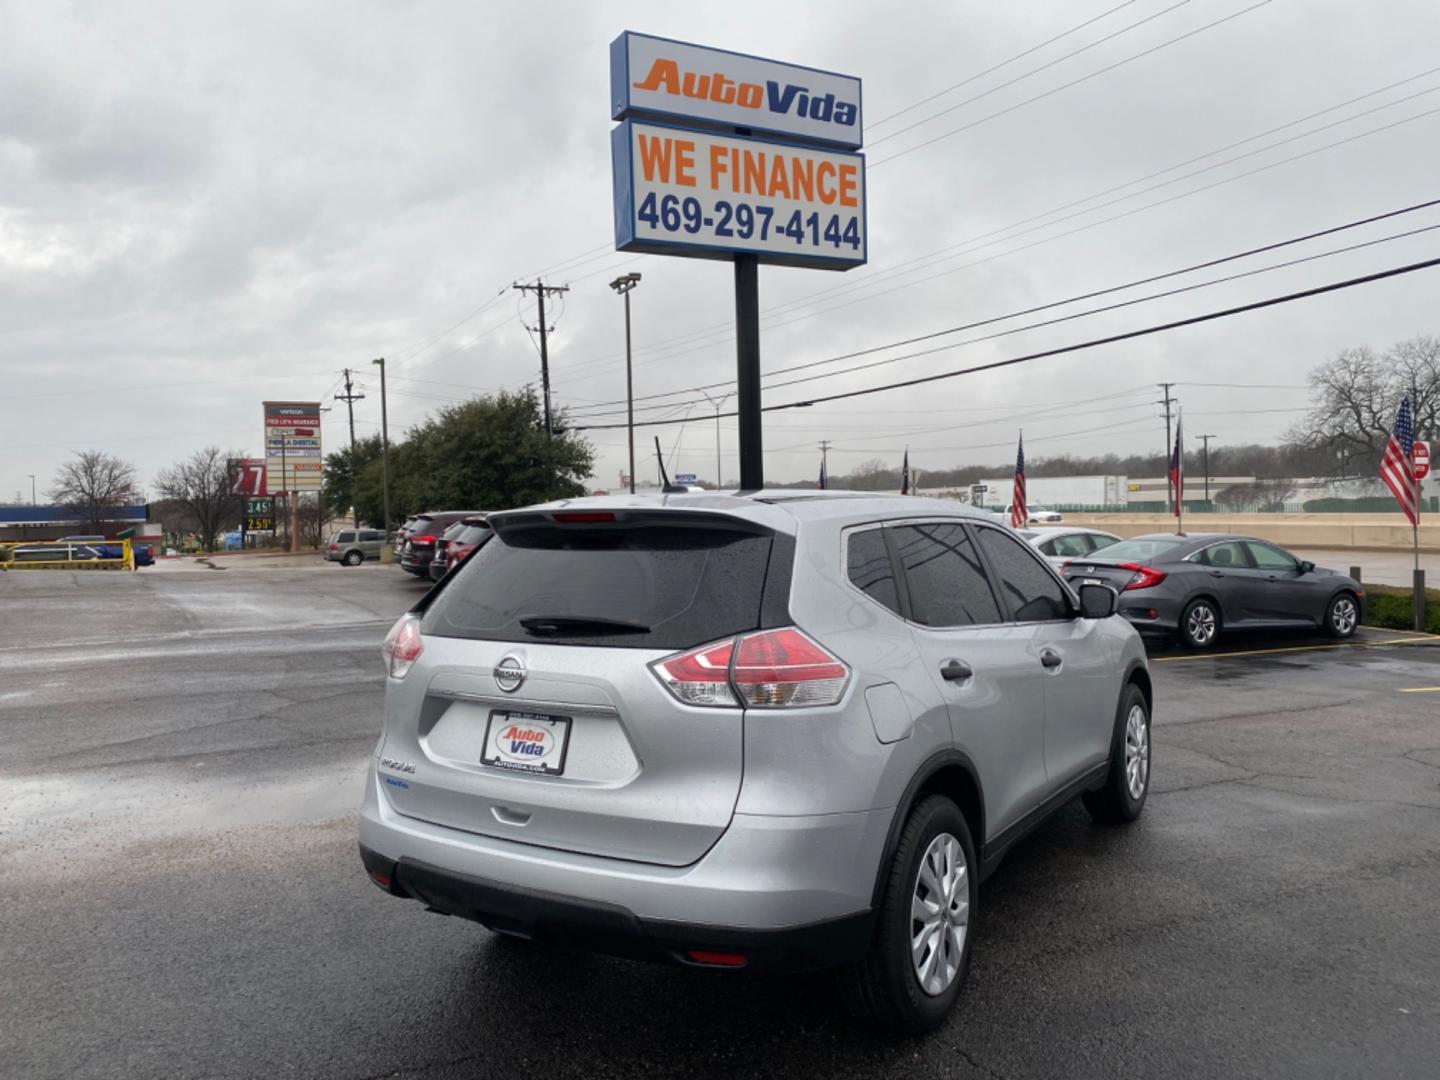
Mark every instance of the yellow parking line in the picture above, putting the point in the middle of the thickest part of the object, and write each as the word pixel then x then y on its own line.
pixel 1421 690
pixel 1298 648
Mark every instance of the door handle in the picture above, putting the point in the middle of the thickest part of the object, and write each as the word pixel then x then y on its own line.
pixel 1050 659
pixel 1216 573
pixel 955 671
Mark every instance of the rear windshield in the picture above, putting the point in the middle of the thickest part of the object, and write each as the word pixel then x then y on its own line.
pixel 644 587
pixel 1139 550
pixel 471 534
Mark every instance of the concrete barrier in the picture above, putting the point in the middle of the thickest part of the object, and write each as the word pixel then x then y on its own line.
pixel 1375 532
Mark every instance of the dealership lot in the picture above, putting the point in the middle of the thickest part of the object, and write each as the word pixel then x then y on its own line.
pixel 183 759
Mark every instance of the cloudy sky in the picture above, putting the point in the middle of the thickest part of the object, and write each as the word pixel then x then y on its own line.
pixel 205 205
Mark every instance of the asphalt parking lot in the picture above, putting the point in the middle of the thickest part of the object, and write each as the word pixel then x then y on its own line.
pixel 182 897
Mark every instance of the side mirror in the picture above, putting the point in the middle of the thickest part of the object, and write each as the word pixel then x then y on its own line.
pixel 1097 601
pixel 1306 566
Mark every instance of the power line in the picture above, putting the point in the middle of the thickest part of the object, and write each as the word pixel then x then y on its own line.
pixel 1276 245
pixel 871 165
pixel 996 67
pixel 1111 339
pixel 871 143
pixel 988 239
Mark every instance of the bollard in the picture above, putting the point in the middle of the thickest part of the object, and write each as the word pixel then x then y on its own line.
pixel 1419 600
pixel 1355 573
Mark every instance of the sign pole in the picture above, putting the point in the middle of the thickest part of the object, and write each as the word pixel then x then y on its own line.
pixel 747 371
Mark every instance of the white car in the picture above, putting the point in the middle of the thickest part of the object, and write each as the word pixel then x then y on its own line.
pixel 1038 515
pixel 1057 545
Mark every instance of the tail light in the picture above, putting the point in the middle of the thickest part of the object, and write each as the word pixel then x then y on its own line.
pixel 424 538
pixel 784 667
pixel 334 547
pixel 700 676
pixel 1145 576
pixel 770 669
pixel 403 646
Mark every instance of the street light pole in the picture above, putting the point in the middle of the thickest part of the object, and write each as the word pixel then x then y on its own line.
pixel 32 489
pixel 622 285
pixel 384 452
pixel 1206 439
pixel 717 403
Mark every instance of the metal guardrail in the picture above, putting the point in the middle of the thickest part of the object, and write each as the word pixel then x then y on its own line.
pixel 65 555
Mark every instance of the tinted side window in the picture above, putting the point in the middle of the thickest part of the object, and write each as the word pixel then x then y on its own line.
pixel 947 584
pixel 1032 592
pixel 1227 554
pixel 868 564
pixel 372 534
pixel 1269 558
pixel 1071 545
pixel 347 538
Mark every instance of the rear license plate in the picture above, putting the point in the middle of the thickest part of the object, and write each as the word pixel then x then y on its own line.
pixel 526 742
pixel 1091 581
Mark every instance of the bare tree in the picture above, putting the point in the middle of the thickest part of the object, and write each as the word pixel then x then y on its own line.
pixel 1354 398
pixel 201 485
pixel 92 484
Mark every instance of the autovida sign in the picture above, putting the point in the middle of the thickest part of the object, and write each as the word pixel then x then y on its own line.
pixel 719 154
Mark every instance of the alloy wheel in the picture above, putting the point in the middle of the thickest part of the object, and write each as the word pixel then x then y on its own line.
pixel 1344 616
pixel 1137 751
pixel 939 914
pixel 1200 624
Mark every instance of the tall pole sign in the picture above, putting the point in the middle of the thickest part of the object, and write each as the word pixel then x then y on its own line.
pixel 721 155
pixel 292 454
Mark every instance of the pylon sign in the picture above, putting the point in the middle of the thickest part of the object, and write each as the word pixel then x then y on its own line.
pixel 720 153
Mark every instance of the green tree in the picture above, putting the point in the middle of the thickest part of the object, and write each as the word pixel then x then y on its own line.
pixel 489 453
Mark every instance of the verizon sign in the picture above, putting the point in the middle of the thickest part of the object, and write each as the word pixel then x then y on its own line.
pixel 672 80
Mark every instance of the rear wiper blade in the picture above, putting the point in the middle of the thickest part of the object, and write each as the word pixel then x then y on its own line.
pixel 594 624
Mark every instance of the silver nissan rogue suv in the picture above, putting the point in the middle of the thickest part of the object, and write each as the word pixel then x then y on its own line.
pixel 764 731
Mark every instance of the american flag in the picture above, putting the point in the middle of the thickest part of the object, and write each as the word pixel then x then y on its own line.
pixel 1019 508
pixel 1397 467
pixel 1177 468
pixel 905 474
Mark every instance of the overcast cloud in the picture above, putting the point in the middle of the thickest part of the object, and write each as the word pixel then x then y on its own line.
pixel 205 205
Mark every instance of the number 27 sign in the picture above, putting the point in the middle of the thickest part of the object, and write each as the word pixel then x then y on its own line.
pixel 247 476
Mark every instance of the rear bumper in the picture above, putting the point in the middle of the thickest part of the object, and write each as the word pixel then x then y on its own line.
pixel 793 892
pixel 613 929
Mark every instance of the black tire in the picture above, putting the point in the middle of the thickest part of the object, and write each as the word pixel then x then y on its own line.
pixel 1199 623
pixel 1342 615
pixel 1115 801
pixel 884 988
pixel 353 558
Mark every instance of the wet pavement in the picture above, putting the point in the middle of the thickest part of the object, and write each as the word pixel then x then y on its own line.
pixel 183 755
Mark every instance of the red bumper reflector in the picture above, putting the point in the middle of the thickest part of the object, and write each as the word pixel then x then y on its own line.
pixel 380 879
pixel 716 959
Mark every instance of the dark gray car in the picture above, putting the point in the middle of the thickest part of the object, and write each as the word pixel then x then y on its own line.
pixel 1199 584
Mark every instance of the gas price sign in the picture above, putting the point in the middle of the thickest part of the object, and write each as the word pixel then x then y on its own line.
pixel 720 194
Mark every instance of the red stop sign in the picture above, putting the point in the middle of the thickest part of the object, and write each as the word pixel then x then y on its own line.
pixel 1420 456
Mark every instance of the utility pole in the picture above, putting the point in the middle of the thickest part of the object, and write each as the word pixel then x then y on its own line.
pixel 541 291
pixel 1167 401
pixel 622 285
pixel 350 397
pixel 32 489
pixel 384 451
pixel 716 403
pixel 1206 440
pixel 825 458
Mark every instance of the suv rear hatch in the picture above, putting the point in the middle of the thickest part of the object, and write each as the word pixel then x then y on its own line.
pixel 532 713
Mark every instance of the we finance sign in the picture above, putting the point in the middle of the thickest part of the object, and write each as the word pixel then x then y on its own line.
pixel 694 85
pixel 712 195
